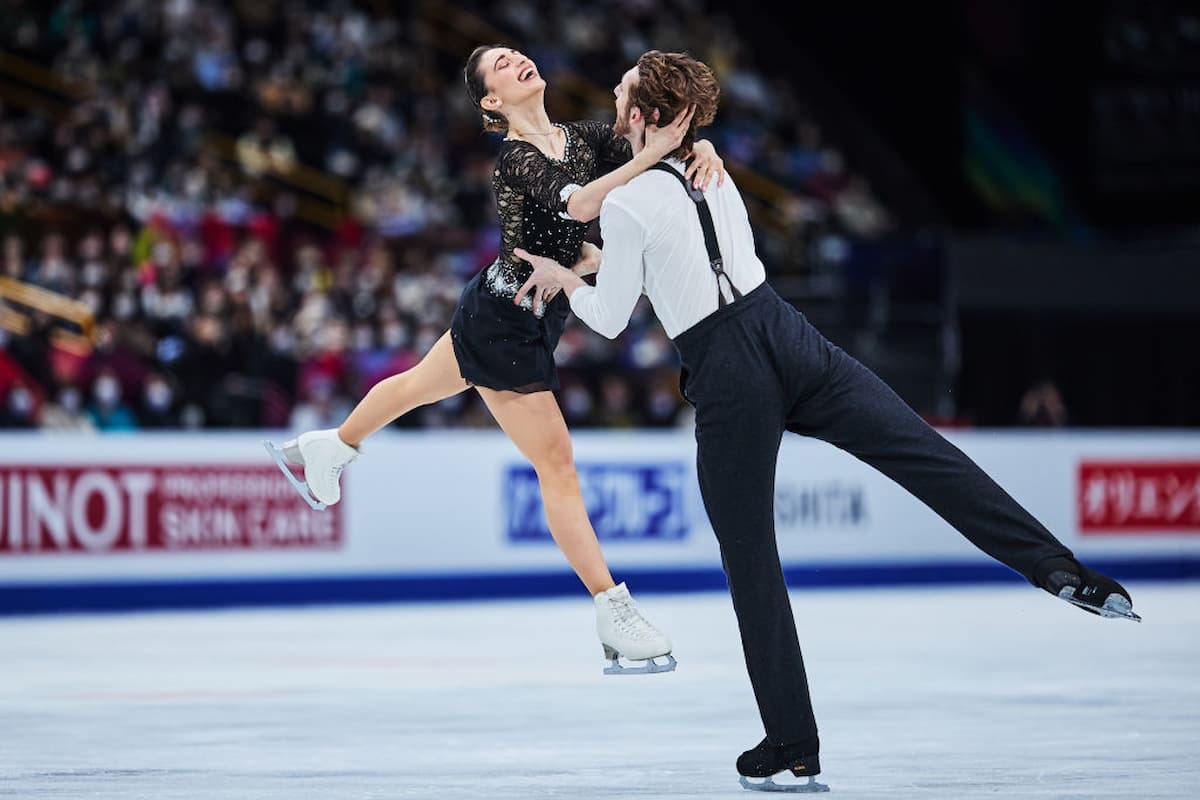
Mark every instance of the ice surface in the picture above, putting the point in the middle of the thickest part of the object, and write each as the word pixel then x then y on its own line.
pixel 920 693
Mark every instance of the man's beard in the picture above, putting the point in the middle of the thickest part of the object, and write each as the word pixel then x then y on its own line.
pixel 621 127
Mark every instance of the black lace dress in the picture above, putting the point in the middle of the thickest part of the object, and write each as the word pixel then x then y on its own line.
pixel 498 344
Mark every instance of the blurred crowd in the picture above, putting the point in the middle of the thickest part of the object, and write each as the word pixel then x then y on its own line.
pixel 268 206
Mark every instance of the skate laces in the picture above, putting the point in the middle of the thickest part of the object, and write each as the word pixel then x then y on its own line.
pixel 629 619
pixel 335 469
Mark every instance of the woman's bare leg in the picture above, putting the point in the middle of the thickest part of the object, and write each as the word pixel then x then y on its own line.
pixel 435 378
pixel 536 426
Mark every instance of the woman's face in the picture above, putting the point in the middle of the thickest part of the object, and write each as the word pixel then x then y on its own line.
pixel 510 77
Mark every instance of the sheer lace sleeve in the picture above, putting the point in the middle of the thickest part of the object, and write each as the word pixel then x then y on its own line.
pixel 608 147
pixel 510 209
pixel 525 168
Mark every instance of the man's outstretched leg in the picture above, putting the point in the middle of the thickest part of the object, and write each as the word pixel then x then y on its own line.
pixel 857 412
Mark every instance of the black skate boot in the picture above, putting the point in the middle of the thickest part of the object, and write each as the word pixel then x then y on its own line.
pixel 1090 590
pixel 768 759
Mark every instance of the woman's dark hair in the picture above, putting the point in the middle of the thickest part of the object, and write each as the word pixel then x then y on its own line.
pixel 492 120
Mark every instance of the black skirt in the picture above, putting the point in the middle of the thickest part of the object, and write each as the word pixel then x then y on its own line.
pixel 500 345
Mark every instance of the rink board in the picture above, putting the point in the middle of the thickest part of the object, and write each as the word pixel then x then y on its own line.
pixel 148 521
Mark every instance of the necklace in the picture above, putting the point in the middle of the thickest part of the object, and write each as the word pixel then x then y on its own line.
pixel 547 133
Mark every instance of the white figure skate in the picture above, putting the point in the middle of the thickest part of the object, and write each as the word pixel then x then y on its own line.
pixel 323 455
pixel 624 632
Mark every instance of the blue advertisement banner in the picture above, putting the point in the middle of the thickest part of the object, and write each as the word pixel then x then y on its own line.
pixel 625 502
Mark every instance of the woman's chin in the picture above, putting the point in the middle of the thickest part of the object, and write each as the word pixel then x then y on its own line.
pixel 535 86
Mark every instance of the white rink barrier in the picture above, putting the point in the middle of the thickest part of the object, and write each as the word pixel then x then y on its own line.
pixel 130 521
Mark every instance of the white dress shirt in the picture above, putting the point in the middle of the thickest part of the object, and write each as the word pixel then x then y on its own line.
pixel 653 242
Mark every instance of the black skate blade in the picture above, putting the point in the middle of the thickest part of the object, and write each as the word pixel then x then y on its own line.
pixel 297 484
pixel 1115 606
pixel 769 785
pixel 649 666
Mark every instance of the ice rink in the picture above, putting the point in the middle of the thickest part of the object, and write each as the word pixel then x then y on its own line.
pixel 920 693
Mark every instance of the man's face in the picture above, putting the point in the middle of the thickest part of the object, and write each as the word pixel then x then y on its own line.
pixel 623 125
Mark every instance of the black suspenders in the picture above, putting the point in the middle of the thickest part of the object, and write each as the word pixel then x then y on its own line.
pixel 715 262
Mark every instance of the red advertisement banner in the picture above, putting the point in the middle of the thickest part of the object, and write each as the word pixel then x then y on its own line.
pixel 130 508
pixel 1139 497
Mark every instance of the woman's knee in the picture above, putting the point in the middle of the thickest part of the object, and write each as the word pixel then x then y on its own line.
pixel 392 385
pixel 556 461
pixel 417 386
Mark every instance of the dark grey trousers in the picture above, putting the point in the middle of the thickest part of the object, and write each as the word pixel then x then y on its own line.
pixel 757 368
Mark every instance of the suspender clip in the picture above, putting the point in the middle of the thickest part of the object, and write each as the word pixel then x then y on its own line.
pixel 715 262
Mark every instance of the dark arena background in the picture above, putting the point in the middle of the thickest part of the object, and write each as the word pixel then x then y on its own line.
pixel 225 221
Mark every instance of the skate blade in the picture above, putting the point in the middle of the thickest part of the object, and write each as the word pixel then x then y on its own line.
pixel 648 667
pixel 299 485
pixel 1115 606
pixel 769 785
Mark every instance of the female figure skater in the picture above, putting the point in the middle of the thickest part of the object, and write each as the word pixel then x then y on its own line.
pixel 549 183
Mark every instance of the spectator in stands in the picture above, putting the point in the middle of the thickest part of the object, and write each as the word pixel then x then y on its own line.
pixel 20 407
pixel 577 404
pixel 108 410
pixel 65 413
pixel 158 408
pixel 264 150
pixel 163 200
pixel 1042 406
pixel 321 407
pixel 663 403
pixel 616 403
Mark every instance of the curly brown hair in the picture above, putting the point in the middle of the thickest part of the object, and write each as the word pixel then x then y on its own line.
pixel 671 82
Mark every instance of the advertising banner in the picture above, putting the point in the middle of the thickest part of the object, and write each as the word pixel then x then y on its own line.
pixel 460 513
pixel 102 509
pixel 1143 497
pixel 625 502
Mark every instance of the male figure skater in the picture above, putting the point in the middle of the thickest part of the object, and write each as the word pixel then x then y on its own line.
pixel 754 367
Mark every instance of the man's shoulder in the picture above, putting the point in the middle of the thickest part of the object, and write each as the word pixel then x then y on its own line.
pixel 642 192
